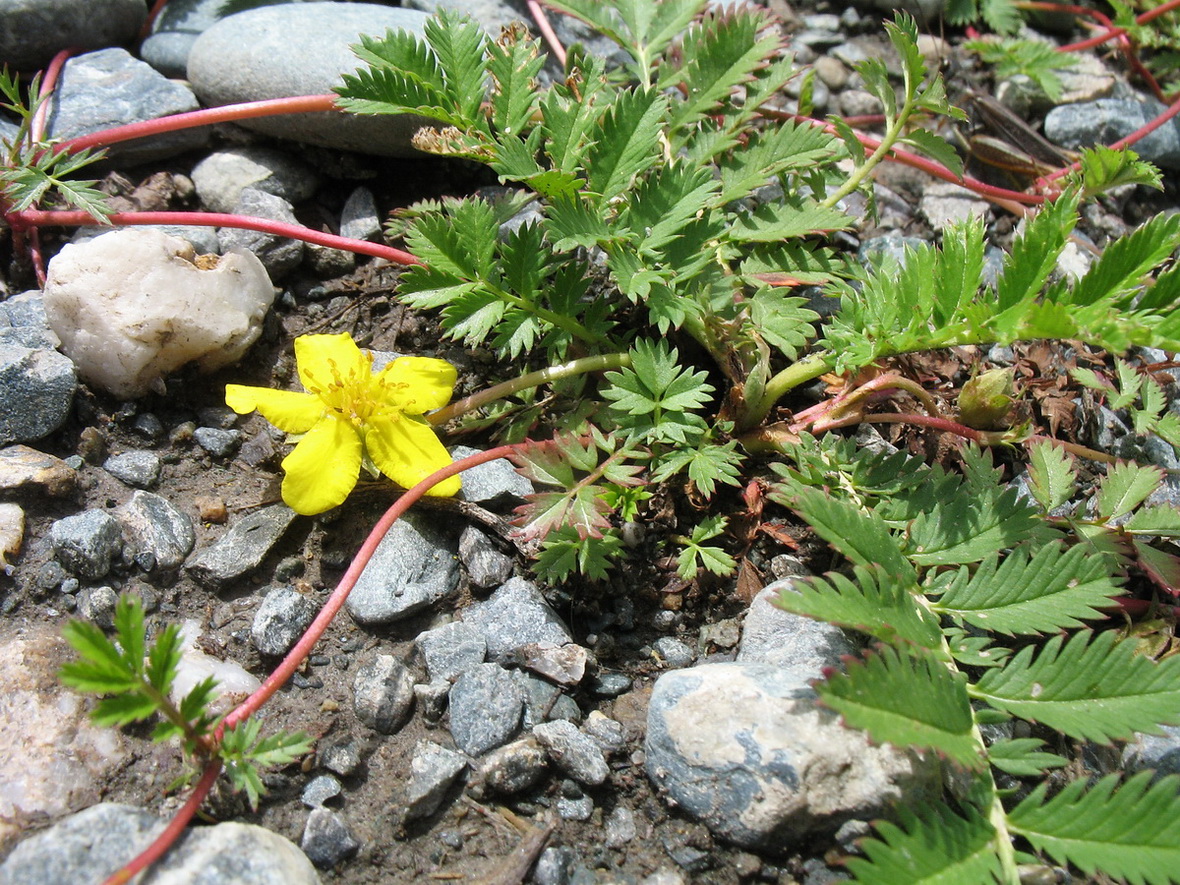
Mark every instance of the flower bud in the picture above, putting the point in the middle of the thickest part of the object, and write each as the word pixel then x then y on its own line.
pixel 986 399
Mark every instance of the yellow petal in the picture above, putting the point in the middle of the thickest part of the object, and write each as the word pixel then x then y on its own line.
pixel 407 451
pixel 417 384
pixel 323 468
pixel 286 410
pixel 324 360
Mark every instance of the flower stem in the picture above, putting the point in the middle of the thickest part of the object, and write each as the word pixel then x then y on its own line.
pixel 598 363
pixel 29 218
pixel 806 369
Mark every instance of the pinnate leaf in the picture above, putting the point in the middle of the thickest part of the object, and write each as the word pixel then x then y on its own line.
pixel 1126 486
pixel 1051 476
pixel 936 848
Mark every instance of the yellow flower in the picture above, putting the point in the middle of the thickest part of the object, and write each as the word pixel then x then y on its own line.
pixel 349 412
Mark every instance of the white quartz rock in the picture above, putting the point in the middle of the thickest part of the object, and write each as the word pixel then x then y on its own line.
pixel 134 305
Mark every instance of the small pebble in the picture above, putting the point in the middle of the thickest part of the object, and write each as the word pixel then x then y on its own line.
pixel 327 840
pixel 211 509
pixel 138 469
pixel 217 442
pixel 319 790
pixel 610 685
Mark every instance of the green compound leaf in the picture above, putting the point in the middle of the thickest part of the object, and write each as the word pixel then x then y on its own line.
pixel 458 43
pixel 1051 475
pixel 1131 833
pixel 513 64
pixel 707 465
pixel 628 142
pixel 1023 757
pixel 1161 521
pixel 936 848
pixel 1126 486
pixel 1027 593
pixel 872 602
pixel 1094 688
pixel 971 527
pixel 908 700
pixel 1104 168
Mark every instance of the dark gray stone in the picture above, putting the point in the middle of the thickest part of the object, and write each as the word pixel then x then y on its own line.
pixel 111 87
pixel 576 754
pixel 241 549
pixel 414 567
pixel 493 484
pixel 486 565
pixel 23 321
pixel 433 771
pixel 620 826
pixel 485 709
pixel 37 387
pixel 282 618
pixel 610 685
pixel 95 843
pixel 223 176
pixel 152 525
pixel 327 840
pixel 544 701
pixel 1160 752
pixel 431 698
pixel 554 866
pixel 86 542
pixel 279 255
pixel 748 750
pixel 383 693
pixel 302 49
pixel 217 442
pixel 320 789
pixel 97 605
pixel 610 734
pixel 511 769
pixel 579 808
pixel 1106 120
pixel 516 614
pixel 138 469
pixel 36 30
pixel 803 646
pixel 451 649
pixel 342 758
pixel 359 219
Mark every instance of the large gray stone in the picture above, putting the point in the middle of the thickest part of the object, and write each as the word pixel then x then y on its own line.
pixel 383 693
pixel 493 483
pixel 86 542
pixel 95 843
pixel 413 568
pixel 451 649
pixel 109 88
pixel 303 49
pixel 485 709
pixel 515 615
pixel 152 525
pixel 433 771
pixel 37 387
pixel 747 750
pixel 803 646
pixel 33 31
pixel 282 618
pixel 1107 120
pixel 242 549
pixel 222 176
pixel 279 255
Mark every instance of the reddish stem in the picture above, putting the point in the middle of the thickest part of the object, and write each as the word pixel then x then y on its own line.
pixel 37 126
pixel 172 832
pixel 152 15
pixel 227 113
pixel 547 31
pixel 77 218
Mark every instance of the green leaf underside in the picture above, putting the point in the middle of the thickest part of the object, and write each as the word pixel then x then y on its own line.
pixel 1095 687
pixel 936 848
pixel 1052 589
pixel 1130 832
pixel 1023 757
pixel 908 700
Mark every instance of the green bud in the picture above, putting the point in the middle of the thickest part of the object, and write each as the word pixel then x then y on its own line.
pixel 986 399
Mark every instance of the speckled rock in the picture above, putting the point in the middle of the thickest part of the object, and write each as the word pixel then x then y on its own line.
pixel 515 615
pixel 485 709
pixel 301 49
pixel 747 750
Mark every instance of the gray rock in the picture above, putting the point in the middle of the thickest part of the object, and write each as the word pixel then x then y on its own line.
pixel 747 750
pixel 485 709
pixel 37 387
pixel 36 30
pixel 279 255
pixel 943 204
pixel 451 649
pixel 579 808
pixel 802 646
pixel 486 566
pixel 217 442
pixel 283 51
pixel 515 615
pixel 359 219
pixel 138 469
pixel 492 484
pixel 554 866
pixel 109 88
pixel 1160 752
pixel 86 542
pixel 241 549
pixel 327 840
pixel 383 693
pixel 222 176
pixel 23 321
pixel 544 701
pixel 414 567
pixel 620 827
pixel 326 262
pixel 97 605
pixel 511 769
pixel 673 652
pixel 433 771
pixel 95 843
pixel 610 734
pixel 431 698
pixel 320 789
pixel 576 754
pixel 282 618
pixel 1107 120
pixel 610 685
pixel 342 758
pixel 152 525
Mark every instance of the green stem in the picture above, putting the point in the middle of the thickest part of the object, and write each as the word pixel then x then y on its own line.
pixel 806 369
pixel 597 363
pixel 561 321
